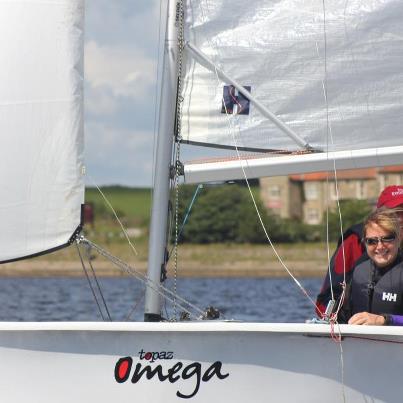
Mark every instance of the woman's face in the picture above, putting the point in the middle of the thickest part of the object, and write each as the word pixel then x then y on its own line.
pixel 381 252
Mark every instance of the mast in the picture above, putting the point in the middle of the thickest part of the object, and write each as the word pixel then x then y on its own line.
pixel 166 124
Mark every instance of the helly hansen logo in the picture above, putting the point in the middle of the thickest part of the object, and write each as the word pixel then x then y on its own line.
pixel 234 102
pixel 388 296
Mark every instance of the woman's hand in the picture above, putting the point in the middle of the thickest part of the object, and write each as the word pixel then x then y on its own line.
pixel 366 318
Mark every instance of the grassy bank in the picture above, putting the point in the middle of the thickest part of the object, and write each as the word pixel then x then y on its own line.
pixel 131 204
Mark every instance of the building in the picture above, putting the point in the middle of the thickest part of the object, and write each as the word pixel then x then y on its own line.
pixel 307 196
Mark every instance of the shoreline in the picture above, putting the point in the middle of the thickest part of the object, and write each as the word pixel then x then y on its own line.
pixel 194 260
pixel 188 269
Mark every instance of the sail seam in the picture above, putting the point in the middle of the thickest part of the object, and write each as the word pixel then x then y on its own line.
pixel 41 101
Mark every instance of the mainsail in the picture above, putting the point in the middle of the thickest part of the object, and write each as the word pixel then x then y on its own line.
pixel 330 72
pixel 41 125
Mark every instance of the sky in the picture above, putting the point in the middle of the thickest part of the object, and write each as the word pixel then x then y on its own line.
pixel 121 51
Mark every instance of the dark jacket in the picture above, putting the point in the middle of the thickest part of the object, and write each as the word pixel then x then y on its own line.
pixel 353 250
pixel 377 290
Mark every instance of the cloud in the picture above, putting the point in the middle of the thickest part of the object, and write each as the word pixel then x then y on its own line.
pixel 118 156
pixel 122 70
pixel 121 53
pixel 98 101
pixel 123 22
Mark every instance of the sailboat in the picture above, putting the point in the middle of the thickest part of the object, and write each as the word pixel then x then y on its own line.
pixel 311 87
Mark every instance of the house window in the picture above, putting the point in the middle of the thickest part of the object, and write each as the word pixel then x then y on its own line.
pixel 274 192
pixel 313 216
pixel 382 181
pixel 311 191
pixel 360 190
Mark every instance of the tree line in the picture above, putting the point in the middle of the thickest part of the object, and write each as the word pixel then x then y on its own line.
pixel 226 213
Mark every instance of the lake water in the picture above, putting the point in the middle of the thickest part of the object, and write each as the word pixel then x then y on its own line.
pixel 71 299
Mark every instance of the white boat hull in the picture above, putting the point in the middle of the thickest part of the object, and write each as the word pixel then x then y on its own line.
pixel 204 362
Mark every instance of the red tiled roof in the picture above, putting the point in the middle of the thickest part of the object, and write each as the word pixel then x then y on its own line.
pixel 369 173
pixel 393 169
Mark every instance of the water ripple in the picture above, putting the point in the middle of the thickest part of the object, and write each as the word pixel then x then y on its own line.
pixel 70 299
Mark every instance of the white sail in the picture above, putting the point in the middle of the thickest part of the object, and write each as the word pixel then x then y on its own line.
pixel 332 75
pixel 41 124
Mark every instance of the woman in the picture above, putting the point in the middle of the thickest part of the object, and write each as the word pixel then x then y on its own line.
pixel 350 248
pixel 377 286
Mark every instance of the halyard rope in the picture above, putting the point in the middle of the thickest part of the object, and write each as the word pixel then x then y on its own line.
pixel 232 132
pixel 333 317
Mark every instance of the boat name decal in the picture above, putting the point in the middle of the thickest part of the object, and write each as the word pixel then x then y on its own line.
pixel 125 369
pixel 156 355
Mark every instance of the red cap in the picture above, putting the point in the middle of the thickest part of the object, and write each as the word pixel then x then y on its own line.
pixel 391 196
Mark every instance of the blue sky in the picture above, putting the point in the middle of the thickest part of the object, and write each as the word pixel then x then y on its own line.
pixel 120 70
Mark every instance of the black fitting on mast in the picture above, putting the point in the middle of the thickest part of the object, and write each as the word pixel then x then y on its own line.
pixel 152 317
pixel 163 275
pixel 178 168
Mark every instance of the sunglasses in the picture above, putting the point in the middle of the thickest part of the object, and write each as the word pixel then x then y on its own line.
pixel 383 239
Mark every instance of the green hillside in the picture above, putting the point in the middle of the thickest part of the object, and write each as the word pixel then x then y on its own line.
pixel 131 204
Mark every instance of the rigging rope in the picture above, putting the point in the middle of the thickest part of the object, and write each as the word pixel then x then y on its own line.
pixel 92 287
pixel 199 187
pixel 232 132
pixel 157 287
pixel 172 295
pixel 116 217
pixel 188 210
pixel 135 306
pixel 333 316
pixel 88 251
pixel 336 187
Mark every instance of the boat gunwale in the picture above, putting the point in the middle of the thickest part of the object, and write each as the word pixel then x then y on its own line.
pixel 207 327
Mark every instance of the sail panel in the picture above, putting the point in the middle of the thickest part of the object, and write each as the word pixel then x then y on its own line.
pixel 289 54
pixel 41 125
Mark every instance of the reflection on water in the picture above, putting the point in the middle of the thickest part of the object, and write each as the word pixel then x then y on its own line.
pixel 71 299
